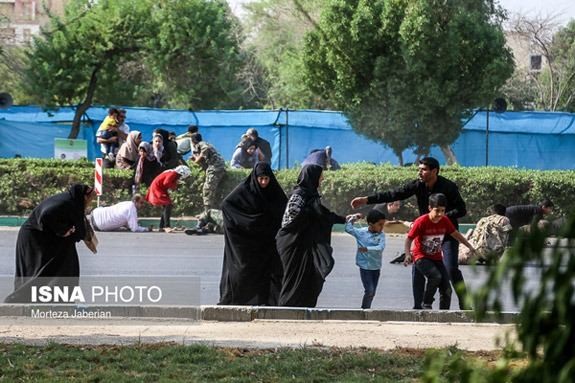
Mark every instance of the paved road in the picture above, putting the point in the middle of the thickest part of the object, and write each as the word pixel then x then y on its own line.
pixel 153 254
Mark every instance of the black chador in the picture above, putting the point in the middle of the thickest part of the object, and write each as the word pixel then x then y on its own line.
pixel 251 273
pixel 304 241
pixel 46 245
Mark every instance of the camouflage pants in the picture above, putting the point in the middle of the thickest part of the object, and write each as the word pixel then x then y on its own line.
pixel 210 190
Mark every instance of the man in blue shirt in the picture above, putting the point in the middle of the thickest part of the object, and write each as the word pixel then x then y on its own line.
pixel 370 244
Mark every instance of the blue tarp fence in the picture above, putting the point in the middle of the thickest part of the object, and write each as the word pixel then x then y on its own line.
pixel 534 140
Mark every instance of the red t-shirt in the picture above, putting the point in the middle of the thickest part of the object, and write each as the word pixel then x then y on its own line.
pixel 428 237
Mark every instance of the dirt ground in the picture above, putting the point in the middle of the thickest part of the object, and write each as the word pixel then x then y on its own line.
pixel 256 334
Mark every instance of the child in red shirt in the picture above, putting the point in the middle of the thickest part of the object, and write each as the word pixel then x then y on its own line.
pixel 427 234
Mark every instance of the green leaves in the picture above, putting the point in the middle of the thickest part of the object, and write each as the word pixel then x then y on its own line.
pixel 405 71
pixel 184 53
pixel 479 187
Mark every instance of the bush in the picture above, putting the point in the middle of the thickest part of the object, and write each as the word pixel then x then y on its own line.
pixel 26 182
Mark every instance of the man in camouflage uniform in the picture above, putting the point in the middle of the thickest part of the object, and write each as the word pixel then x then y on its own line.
pixel 489 237
pixel 212 162
pixel 211 221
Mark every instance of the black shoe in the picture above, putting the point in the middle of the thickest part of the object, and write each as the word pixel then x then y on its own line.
pixel 398 259
pixel 191 231
pixel 202 231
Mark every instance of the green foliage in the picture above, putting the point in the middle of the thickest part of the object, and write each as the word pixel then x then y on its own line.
pixel 546 324
pixel 139 52
pixel 12 64
pixel 92 38
pixel 277 29
pixel 25 182
pixel 194 48
pixel 563 54
pixel 406 70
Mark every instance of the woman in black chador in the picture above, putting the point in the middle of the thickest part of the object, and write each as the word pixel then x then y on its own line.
pixel 46 245
pixel 303 241
pixel 252 212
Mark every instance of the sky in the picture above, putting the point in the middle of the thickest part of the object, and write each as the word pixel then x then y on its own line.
pixel 564 9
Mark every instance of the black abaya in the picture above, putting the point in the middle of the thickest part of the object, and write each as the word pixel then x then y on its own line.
pixel 304 242
pixel 42 252
pixel 251 273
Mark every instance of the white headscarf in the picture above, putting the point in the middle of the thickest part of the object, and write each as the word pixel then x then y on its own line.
pixel 183 171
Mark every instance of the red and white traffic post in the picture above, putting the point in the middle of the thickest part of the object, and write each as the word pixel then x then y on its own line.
pixel 98 179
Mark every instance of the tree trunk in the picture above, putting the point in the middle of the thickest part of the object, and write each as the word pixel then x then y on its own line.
pixel 449 154
pixel 400 158
pixel 83 107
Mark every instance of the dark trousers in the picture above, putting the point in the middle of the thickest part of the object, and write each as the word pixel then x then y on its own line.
pixel 437 278
pixel 369 279
pixel 165 217
pixel 451 260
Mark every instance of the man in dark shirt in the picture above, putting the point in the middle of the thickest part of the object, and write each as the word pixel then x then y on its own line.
pixel 429 182
pixel 262 144
pixel 521 215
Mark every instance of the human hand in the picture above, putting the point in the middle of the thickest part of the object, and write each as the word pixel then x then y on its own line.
pixel 353 217
pixel 362 249
pixel 407 260
pixel 358 202
pixel 70 231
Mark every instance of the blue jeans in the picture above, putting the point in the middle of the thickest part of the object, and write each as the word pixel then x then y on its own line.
pixel 437 278
pixel 450 250
pixel 369 279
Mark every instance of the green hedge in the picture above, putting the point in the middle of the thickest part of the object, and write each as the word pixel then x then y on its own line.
pixel 26 182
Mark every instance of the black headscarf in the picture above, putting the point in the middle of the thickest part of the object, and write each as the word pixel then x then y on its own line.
pixel 249 199
pixel 79 192
pixel 308 181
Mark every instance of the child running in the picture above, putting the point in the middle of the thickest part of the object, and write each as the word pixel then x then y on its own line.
pixel 370 244
pixel 427 233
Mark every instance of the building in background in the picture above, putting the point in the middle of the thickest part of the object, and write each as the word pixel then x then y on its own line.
pixel 21 19
pixel 528 56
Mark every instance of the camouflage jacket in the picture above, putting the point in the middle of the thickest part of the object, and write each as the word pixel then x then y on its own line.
pixel 489 238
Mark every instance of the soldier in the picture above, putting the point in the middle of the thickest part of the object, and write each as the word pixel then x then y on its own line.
pixel 210 221
pixel 489 237
pixel 212 162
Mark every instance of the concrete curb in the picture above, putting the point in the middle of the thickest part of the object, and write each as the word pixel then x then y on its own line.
pixel 250 313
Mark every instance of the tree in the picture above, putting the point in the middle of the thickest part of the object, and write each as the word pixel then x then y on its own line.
pixel 92 39
pixel 277 29
pixel 176 53
pixel 563 54
pixel 195 48
pixel 406 71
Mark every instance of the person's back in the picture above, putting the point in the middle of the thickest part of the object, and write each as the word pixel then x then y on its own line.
pixel 315 157
pixel 120 215
pixel 489 237
pixel 211 157
pixel 266 149
pixel 521 215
